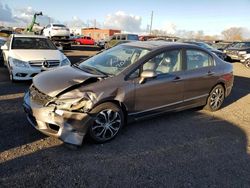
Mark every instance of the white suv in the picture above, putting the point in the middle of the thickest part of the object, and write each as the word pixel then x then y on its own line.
pixel 27 55
pixel 56 30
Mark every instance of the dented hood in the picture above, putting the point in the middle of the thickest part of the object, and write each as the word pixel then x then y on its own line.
pixel 55 81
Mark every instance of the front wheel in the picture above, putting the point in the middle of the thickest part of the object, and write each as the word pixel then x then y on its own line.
pixel 108 120
pixel 247 63
pixel 215 98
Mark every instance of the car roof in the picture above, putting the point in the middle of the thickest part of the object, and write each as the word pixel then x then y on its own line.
pixel 152 45
pixel 28 36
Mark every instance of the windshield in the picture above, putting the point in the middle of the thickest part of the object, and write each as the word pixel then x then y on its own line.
pixel 32 43
pixel 241 45
pixel 114 60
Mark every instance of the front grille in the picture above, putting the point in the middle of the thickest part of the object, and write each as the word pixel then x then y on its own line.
pixel 45 63
pixel 38 96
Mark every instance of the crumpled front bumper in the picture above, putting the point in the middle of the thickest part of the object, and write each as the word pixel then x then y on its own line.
pixel 70 127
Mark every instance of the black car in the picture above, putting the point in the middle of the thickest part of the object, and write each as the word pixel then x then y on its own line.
pixel 238 50
pixel 204 45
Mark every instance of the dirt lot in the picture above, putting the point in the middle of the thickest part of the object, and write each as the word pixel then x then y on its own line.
pixel 192 148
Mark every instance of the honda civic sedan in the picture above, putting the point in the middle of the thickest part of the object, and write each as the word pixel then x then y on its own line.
pixel 128 82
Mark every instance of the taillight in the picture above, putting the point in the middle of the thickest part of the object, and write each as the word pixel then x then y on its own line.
pixel 228 77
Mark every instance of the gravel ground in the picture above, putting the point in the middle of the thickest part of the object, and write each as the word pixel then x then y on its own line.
pixel 192 148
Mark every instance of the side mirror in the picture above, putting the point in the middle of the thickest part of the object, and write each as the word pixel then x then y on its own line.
pixel 4 47
pixel 147 74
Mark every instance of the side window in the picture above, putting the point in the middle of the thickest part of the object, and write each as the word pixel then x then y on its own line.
pixel 113 38
pixel 166 62
pixel 118 37
pixel 123 37
pixel 198 59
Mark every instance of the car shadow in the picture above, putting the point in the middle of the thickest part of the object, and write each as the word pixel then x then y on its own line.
pixel 185 149
pixel 241 88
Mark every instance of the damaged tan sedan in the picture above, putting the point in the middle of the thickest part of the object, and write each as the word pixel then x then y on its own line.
pixel 128 82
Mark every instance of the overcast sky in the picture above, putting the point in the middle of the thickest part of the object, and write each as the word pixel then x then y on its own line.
pixel 211 16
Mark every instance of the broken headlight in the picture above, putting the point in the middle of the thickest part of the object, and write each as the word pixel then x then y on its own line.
pixel 74 102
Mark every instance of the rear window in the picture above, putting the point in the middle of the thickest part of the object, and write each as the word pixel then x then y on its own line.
pixel 32 43
pixel 133 37
pixel 198 59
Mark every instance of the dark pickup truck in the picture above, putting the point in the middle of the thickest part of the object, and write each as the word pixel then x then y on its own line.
pixel 238 51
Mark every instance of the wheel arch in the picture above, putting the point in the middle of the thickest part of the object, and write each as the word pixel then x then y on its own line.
pixel 116 102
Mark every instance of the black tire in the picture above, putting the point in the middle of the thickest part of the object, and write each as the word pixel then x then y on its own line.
pixel 247 63
pixel 103 129
pixel 10 73
pixel 12 79
pixel 215 98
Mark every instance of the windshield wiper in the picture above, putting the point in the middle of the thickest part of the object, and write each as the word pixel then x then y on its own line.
pixel 91 70
pixel 104 73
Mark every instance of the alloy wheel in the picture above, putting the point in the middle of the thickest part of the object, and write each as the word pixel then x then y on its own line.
pixel 106 124
pixel 217 98
pixel 247 63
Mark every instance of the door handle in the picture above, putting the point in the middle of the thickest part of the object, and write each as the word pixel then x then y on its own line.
pixel 177 79
pixel 210 73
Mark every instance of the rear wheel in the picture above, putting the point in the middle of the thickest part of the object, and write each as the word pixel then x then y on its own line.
pixel 247 63
pixel 215 98
pixel 108 120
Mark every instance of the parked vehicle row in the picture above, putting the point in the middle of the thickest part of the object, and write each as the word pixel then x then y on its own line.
pixel 204 45
pixel 127 82
pixel 27 55
pixel 117 39
pixel 240 51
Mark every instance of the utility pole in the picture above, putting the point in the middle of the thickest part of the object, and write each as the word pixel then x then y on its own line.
pixel 150 30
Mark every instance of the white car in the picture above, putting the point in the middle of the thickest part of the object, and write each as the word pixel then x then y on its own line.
pixel 56 30
pixel 27 55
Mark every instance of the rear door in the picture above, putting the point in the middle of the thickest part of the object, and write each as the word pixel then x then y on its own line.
pixel 164 91
pixel 200 75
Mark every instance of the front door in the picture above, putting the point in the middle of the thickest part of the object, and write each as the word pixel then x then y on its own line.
pixel 166 89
